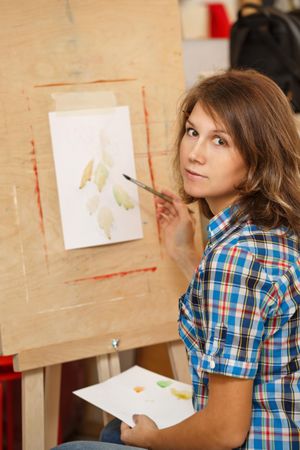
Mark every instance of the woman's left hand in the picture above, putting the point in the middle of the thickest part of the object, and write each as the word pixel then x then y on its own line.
pixel 141 435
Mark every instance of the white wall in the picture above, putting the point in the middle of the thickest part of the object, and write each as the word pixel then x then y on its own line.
pixel 204 56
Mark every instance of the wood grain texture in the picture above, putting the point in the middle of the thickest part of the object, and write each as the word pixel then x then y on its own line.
pixel 33 424
pixel 59 305
pixel 52 385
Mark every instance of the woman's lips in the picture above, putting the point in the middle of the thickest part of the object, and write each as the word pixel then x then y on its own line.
pixel 194 175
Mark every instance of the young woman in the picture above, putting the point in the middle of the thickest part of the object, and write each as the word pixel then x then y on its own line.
pixel 238 156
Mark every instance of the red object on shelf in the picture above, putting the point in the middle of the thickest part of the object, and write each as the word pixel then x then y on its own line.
pixel 219 24
pixel 7 375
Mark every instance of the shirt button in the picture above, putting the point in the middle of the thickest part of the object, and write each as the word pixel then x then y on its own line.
pixel 212 364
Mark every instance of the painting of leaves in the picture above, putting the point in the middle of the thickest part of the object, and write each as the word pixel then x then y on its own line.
pixel 91 149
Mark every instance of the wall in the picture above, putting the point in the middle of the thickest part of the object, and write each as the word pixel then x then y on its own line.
pixel 204 56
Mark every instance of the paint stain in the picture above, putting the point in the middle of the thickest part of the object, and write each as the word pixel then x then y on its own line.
pixel 65 83
pixel 37 185
pixel 182 395
pixel 38 197
pixel 112 275
pixel 138 389
pixel 164 383
pixel 147 126
pixel 151 170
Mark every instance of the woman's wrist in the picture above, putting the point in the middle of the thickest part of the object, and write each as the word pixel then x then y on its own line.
pixel 153 440
pixel 187 261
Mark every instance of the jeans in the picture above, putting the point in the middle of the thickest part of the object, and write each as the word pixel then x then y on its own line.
pixel 109 437
pixel 93 445
pixel 111 432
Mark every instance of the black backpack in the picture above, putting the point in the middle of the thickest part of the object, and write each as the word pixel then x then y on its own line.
pixel 269 41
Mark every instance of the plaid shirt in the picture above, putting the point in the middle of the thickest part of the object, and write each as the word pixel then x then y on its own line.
pixel 240 317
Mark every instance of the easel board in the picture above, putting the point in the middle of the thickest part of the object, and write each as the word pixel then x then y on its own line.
pixel 60 305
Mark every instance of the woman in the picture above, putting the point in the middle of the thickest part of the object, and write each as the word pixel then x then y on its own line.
pixel 238 156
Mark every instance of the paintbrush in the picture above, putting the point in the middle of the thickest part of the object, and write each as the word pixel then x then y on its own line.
pixel 149 189
pixel 153 191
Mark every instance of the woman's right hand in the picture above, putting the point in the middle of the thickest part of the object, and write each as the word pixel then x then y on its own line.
pixel 177 226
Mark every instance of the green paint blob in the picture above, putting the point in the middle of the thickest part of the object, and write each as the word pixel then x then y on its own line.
pixel 164 383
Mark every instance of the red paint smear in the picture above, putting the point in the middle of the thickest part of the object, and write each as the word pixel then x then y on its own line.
pixel 37 185
pixel 146 116
pixel 120 80
pixel 112 275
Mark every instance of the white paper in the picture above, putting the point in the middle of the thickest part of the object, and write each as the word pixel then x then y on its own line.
pixel 118 397
pixel 92 149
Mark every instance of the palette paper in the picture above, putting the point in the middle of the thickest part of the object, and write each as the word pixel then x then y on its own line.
pixel 140 391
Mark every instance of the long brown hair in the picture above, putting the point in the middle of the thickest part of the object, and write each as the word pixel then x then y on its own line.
pixel 259 119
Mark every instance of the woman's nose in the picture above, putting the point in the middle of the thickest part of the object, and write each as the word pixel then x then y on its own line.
pixel 197 153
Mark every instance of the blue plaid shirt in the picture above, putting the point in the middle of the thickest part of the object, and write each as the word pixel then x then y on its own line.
pixel 240 317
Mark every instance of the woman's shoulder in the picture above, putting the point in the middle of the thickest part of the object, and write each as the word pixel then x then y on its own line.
pixel 251 233
pixel 267 246
pixel 255 240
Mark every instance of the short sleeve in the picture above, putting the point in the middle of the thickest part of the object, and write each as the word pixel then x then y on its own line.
pixel 227 300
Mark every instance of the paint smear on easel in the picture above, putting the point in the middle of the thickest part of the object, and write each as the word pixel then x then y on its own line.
pixel 183 395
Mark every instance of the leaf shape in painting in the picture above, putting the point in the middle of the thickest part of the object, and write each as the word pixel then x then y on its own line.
pixel 100 176
pixel 106 146
pixel 87 174
pixel 107 158
pixel 92 204
pixel 122 197
pixel 105 220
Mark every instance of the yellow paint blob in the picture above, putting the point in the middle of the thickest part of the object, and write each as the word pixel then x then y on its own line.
pixel 184 395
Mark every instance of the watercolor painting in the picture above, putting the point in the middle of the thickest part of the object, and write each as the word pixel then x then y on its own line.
pixel 92 148
pixel 141 391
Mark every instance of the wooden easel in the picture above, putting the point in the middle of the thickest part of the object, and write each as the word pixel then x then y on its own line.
pixel 41 394
pixel 58 306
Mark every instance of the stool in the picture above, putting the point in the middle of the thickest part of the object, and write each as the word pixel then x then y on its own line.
pixel 7 375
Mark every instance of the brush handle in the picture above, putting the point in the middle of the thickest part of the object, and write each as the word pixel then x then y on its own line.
pixel 159 194
pixel 153 191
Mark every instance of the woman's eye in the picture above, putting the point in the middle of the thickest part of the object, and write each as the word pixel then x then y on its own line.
pixel 191 132
pixel 219 141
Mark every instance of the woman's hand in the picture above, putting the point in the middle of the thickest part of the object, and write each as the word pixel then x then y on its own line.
pixel 141 435
pixel 178 227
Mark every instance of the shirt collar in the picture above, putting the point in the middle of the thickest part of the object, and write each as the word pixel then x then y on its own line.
pixel 220 224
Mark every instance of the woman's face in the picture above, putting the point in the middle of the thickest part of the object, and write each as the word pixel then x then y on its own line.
pixel 211 166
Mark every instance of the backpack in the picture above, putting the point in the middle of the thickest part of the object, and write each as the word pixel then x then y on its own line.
pixel 269 41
